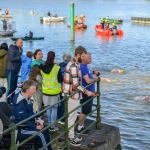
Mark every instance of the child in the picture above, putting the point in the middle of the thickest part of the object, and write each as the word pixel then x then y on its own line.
pixel 35 75
pixel 26 65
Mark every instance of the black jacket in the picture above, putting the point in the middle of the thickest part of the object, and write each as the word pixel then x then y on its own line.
pixel 14 58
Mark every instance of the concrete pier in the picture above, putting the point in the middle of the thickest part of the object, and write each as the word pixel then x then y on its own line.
pixel 107 138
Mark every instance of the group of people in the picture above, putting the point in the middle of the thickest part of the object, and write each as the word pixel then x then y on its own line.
pixel 82 19
pixel 106 25
pixel 46 82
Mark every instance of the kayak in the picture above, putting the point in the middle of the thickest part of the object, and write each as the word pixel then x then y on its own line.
pixel 79 26
pixel 113 21
pixel 27 39
pixel 6 16
pixel 108 32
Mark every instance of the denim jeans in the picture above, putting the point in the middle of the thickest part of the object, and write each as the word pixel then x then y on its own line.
pixel 12 79
pixel 60 109
pixel 52 115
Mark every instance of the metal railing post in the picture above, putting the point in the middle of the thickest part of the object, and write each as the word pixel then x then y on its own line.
pixel 98 118
pixel 13 135
pixel 66 122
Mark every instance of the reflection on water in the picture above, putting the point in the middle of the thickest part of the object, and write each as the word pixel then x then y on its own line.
pixel 130 52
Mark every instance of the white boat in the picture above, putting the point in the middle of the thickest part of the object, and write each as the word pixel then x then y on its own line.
pixel 6 33
pixel 7 30
pixel 5 16
pixel 52 19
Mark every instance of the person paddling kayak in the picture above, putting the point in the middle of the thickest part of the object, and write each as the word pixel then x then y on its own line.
pixel 30 35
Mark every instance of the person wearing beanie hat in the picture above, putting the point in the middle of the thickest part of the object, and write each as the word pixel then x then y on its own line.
pixel 60 110
pixel 51 87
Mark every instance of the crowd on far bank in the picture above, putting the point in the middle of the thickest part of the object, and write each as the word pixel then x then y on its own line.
pixel 44 83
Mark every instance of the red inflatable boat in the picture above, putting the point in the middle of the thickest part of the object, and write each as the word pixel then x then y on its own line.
pixel 79 26
pixel 108 32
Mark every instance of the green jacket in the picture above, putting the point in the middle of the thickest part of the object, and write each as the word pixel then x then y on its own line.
pixel 3 63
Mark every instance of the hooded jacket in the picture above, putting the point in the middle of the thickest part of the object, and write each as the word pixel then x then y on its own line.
pixel 25 68
pixel 14 58
pixel 3 63
pixel 47 69
pixel 23 109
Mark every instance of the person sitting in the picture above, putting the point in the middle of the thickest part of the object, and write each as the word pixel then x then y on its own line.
pixel 106 26
pixel 22 109
pixel 30 35
pixel 114 28
pixel 102 23
pixel 5 109
pixel 119 19
pixel 82 19
pixel 56 16
pixel 49 14
pixel 76 20
pixel 6 11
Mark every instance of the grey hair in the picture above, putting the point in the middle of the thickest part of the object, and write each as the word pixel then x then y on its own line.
pixel 66 57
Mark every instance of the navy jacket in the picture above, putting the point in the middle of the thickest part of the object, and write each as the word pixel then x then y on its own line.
pixel 14 58
pixel 63 67
pixel 22 109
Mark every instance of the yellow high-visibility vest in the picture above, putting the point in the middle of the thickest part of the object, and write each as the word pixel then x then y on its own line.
pixel 50 84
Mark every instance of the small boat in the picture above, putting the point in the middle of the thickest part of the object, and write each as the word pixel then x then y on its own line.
pixel 27 38
pixel 108 32
pixel 113 21
pixel 6 16
pixel 6 33
pixel 52 19
pixel 79 26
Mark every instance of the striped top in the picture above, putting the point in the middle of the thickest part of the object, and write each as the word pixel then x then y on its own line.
pixel 71 81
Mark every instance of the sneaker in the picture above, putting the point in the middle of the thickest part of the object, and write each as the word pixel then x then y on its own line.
pixel 53 129
pixel 78 139
pixel 83 133
pixel 75 143
pixel 60 122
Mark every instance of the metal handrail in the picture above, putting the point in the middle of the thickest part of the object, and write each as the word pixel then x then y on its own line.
pixel 14 126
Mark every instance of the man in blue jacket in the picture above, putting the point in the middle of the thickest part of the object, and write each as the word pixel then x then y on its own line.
pixel 13 67
pixel 23 109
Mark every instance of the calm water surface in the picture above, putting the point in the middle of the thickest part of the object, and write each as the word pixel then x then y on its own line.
pixel 120 101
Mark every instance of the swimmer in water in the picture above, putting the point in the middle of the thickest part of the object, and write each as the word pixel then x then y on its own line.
pixel 116 70
pixel 146 98
pixel 142 98
pixel 107 80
